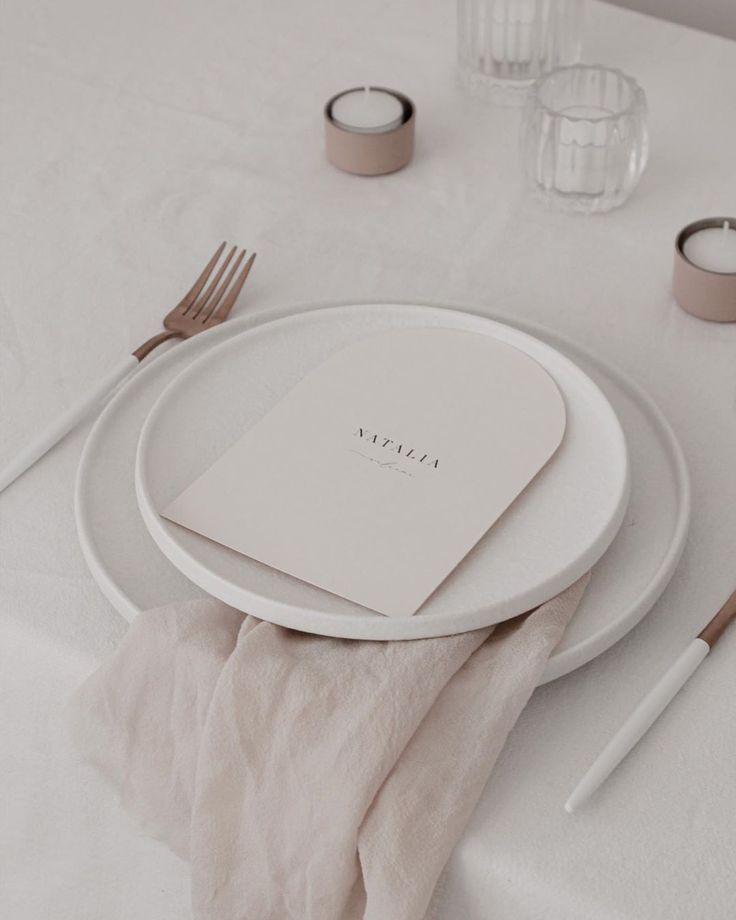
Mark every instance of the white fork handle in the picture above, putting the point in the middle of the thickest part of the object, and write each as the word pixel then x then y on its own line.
pixel 65 422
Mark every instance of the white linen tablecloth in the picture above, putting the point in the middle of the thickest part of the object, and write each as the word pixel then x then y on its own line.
pixel 134 136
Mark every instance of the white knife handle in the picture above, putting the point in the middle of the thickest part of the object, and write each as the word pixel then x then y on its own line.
pixel 66 421
pixel 640 720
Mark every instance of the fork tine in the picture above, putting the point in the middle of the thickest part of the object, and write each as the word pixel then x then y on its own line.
pixel 202 300
pixel 217 297
pixel 223 311
pixel 192 295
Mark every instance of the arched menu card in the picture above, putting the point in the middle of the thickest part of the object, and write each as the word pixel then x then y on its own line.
pixel 384 466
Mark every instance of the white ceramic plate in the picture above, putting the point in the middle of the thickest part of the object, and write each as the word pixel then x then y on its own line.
pixel 554 532
pixel 627 581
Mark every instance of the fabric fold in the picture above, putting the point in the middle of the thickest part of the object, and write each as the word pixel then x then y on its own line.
pixel 302 776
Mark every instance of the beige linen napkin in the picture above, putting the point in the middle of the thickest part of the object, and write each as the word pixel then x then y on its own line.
pixel 306 777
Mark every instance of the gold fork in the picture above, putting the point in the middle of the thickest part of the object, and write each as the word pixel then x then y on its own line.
pixel 201 310
pixel 204 306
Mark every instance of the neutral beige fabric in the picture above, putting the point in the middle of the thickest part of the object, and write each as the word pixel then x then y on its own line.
pixel 306 777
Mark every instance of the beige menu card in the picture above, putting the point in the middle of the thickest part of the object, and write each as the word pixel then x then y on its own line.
pixel 384 466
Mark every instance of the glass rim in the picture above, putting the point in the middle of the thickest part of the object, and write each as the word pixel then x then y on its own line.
pixel 637 93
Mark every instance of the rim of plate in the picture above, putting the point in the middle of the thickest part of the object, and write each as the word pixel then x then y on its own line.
pixel 560 663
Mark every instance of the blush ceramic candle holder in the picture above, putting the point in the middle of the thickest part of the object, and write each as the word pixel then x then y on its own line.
pixel 369 131
pixel 704 272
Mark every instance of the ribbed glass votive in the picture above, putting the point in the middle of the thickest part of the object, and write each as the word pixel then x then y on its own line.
pixel 504 45
pixel 584 139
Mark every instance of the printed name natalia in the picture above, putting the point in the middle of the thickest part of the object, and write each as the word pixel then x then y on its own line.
pixel 396 447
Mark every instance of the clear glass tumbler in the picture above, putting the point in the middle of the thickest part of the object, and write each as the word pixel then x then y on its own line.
pixel 584 139
pixel 504 45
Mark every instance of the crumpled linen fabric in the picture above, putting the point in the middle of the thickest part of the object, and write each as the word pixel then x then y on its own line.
pixel 303 776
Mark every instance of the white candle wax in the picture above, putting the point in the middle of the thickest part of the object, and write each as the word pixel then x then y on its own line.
pixel 584 156
pixel 368 111
pixel 713 248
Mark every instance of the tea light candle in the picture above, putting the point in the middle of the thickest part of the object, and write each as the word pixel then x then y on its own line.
pixel 367 110
pixel 369 131
pixel 704 274
pixel 713 248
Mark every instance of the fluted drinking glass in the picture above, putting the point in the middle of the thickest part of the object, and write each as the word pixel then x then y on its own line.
pixel 504 45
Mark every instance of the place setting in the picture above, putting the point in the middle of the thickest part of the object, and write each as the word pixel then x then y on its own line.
pixel 351 538
pixel 332 473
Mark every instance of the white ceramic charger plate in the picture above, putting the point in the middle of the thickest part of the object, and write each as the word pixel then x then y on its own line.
pixel 626 582
pixel 551 535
